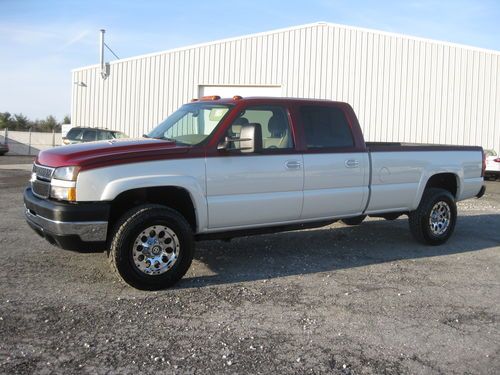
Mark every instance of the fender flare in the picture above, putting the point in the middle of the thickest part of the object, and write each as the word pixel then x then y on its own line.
pixel 426 176
pixel 190 184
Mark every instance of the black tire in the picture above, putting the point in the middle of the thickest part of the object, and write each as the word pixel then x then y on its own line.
pixel 129 227
pixel 354 220
pixel 419 219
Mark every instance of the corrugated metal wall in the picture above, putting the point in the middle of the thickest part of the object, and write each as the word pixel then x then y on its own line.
pixel 402 88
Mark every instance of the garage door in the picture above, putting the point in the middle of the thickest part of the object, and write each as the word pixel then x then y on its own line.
pixel 245 91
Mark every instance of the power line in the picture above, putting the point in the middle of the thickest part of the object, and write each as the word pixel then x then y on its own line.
pixel 110 50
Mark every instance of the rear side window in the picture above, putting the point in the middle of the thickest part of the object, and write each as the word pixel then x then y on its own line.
pixel 326 127
pixel 103 135
pixel 89 135
pixel 119 135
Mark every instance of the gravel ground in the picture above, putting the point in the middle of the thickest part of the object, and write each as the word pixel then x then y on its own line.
pixel 336 300
pixel 16 159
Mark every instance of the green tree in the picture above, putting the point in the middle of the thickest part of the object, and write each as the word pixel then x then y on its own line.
pixel 21 122
pixel 6 120
pixel 67 120
pixel 49 124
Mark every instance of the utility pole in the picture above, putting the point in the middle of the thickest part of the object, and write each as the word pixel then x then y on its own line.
pixel 104 73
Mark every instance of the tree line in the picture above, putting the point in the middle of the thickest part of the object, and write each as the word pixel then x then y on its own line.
pixel 20 122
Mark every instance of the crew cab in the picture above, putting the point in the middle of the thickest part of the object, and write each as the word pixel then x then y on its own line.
pixel 220 168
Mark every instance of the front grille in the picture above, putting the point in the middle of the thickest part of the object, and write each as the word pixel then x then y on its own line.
pixel 41 184
pixel 40 188
pixel 43 173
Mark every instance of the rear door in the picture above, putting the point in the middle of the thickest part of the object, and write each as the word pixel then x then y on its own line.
pixel 256 189
pixel 336 167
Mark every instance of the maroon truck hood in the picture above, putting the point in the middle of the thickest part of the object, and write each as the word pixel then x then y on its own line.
pixel 98 154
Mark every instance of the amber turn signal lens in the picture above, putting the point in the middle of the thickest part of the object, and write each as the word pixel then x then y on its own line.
pixel 72 194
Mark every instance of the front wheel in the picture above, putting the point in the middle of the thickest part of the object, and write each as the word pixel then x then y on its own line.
pixel 434 220
pixel 152 247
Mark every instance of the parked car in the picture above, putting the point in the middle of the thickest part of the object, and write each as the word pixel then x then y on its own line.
pixel 81 135
pixel 492 164
pixel 4 148
pixel 222 168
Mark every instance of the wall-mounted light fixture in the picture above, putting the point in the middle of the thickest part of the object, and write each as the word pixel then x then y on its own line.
pixel 80 83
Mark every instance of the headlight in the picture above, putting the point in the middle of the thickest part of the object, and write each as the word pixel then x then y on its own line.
pixel 63 183
pixel 66 173
pixel 63 192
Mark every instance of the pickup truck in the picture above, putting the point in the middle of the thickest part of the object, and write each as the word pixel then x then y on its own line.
pixel 220 168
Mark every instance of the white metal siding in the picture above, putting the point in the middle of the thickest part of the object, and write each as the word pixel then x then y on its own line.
pixel 402 88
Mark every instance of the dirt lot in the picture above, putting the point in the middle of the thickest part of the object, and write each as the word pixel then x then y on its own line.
pixel 341 300
pixel 16 159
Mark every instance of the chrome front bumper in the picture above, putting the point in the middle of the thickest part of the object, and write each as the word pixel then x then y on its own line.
pixel 87 231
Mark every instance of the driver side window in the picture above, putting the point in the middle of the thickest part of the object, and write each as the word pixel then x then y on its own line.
pixel 273 120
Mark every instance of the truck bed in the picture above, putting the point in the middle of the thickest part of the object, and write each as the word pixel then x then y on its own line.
pixel 399 172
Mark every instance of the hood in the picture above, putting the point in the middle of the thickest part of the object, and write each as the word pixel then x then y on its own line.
pixel 122 151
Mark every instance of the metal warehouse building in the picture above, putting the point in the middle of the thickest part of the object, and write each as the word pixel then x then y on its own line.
pixel 402 88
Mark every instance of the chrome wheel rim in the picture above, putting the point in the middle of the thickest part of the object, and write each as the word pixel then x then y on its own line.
pixel 156 249
pixel 439 219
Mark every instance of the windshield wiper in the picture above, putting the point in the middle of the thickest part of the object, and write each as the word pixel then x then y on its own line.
pixel 168 140
pixel 164 139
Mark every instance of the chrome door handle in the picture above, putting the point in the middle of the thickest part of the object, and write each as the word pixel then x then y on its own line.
pixel 351 163
pixel 293 164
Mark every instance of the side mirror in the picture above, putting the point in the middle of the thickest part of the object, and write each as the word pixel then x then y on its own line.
pixel 250 139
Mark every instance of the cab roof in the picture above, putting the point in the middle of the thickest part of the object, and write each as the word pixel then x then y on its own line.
pixel 268 99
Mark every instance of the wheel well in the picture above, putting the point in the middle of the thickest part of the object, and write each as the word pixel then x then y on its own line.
pixel 171 196
pixel 447 181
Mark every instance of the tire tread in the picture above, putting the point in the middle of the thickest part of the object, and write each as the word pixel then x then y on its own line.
pixel 415 218
pixel 128 221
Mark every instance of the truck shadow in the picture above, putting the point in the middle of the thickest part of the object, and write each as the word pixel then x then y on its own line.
pixel 329 249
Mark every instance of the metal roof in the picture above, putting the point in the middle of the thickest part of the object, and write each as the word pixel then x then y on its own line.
pixel 309 25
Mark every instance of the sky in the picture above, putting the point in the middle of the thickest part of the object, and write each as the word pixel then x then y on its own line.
pixel 41 41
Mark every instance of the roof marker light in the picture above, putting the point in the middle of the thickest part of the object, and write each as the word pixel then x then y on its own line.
pixel 237 97
pixel 210 97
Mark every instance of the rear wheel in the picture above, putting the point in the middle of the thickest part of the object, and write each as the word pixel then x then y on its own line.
pixel 152 247
pixel 433 222
pixel 354 220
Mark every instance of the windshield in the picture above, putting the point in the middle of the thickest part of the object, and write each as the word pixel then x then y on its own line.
pixel 192 123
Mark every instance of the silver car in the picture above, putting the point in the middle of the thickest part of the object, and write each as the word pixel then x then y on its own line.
pixel 82 135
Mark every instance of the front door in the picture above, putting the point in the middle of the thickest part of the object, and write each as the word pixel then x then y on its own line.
pixel 256 189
